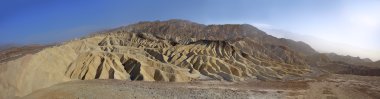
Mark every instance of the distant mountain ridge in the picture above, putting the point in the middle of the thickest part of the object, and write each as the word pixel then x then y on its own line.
pixel 347 58
pixel 6 46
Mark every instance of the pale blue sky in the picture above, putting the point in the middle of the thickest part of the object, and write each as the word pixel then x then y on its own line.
pixel 352 25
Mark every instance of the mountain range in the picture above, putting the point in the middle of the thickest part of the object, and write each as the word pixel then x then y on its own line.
pixel 173 50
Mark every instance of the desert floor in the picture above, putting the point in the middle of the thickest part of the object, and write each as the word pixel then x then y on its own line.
pixel 329 87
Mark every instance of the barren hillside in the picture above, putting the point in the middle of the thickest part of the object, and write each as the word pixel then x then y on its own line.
pixel 170 51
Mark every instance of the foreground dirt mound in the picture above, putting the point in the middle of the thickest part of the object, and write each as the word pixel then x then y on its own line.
pixel 150 52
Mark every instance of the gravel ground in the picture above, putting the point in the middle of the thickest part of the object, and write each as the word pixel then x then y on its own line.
pixel 332 87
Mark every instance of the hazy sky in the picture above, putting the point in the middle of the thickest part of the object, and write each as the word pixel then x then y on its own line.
pixel 341 26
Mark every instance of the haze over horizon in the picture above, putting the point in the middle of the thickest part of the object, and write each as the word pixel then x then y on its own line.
pixel 346 27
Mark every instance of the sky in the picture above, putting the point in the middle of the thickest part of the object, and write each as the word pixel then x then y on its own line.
pixel 346 27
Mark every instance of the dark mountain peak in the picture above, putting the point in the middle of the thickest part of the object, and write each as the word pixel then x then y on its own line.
pixel 180 29
pixel 171 22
